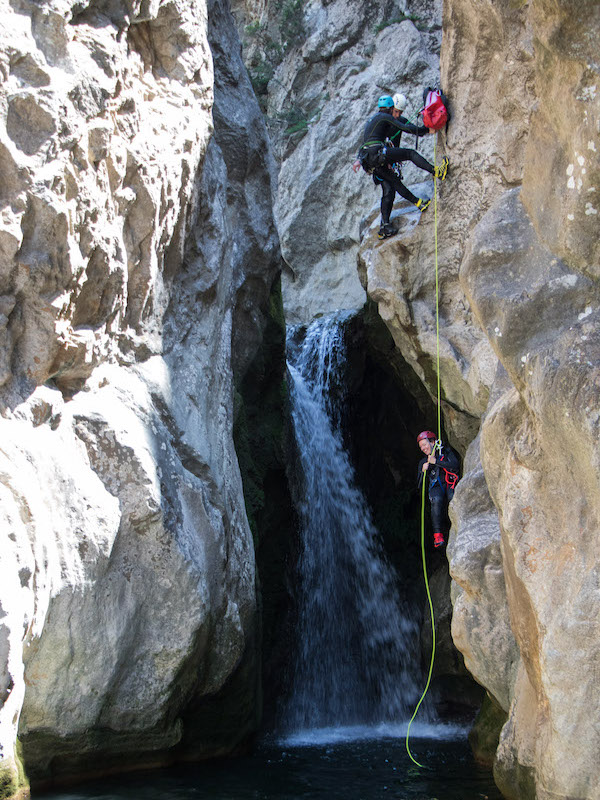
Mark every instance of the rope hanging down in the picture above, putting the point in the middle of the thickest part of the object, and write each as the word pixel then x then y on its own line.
pixel 437 445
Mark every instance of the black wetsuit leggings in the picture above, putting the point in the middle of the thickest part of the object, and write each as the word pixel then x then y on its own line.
pixel 387 198
pixel 439 499
pixel 392 156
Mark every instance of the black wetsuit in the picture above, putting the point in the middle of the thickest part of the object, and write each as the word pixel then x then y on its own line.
pixel 380 127
pixel 441 485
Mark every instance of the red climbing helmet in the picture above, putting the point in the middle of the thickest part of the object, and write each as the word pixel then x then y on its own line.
pixel 425 435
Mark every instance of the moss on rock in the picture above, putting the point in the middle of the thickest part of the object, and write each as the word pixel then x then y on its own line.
pixel 485 733
pixel 13 781
pixel 516 781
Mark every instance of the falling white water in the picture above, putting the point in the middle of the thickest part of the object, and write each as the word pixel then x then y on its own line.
pixel 358 653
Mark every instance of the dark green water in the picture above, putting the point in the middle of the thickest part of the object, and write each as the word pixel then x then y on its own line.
pixel 336 765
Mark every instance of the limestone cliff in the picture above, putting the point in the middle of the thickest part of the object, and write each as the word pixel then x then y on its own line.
pixel 138 254
pixel 520 356
pixel 326 75
pixel 518 272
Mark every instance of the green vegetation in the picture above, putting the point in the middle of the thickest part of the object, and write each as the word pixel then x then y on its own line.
pixel 291 14
pixel 272 40
pixel 13 781
pixel 418 22
pixel 8 785
pixel 297 119
pixel 261 71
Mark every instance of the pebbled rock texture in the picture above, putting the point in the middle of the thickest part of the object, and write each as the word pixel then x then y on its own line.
pixel 137 256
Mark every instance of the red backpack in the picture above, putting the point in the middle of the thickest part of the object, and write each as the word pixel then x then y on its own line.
pixel 435 112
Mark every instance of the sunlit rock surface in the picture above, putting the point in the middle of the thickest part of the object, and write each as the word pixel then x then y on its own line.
pixel 137 254
pixel 518 268
pixel 138 251
pixel 480 620
pixel 319 98
pixel 400 275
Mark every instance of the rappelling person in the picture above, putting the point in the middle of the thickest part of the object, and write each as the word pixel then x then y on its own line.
pixel 378 158
pixel 442 468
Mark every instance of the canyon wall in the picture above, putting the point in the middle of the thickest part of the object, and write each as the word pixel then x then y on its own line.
pixel 519 361
pixel 138 264
pixel 327 74
pixel 518 258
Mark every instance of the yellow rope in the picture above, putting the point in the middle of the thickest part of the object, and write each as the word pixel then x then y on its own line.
pixel 432 625
pixel 437 300
pixel 439 423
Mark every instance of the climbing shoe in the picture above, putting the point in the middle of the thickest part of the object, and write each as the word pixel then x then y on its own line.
pixel 423 203
pixel 438 539
pixel 387 230
pixel 442 170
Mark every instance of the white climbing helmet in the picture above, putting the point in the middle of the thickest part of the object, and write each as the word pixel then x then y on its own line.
pixel 400 102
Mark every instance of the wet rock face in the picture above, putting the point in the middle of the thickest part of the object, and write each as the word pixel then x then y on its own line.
pixel 137 260
pixel 518 287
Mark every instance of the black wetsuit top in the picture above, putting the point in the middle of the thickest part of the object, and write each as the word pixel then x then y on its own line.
pixel 437 472
pixel 383 126
pixel 440 493
pixel 380 127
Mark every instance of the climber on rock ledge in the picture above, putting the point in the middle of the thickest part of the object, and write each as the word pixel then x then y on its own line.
pixel 378 160
pixel 443 477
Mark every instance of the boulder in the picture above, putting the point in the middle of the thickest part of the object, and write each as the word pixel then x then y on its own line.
pixel 139 253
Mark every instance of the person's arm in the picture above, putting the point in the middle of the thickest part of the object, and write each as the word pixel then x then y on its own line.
pixel 450 461
pixel 402 124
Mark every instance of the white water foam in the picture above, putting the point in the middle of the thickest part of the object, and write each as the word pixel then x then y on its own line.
pixel 319 737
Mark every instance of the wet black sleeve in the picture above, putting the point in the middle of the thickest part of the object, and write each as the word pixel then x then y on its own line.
pixel 403 124
pixel 450 461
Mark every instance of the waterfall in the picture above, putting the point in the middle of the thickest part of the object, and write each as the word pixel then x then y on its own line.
pixel 358 654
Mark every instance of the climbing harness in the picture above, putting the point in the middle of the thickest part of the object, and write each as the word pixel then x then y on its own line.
pixel 451 479
pixel 369 156
pixel 436 447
